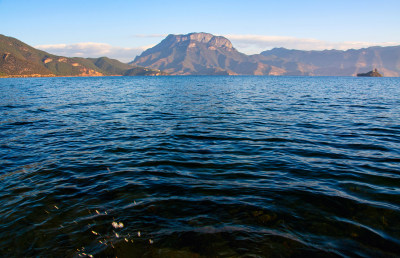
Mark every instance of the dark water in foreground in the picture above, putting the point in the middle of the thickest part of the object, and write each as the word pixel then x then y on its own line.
pixel 200 166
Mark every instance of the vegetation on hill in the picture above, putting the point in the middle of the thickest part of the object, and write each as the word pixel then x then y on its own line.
pixel 18 59
pixel 110 66
pixel 22 59
pixel 13 65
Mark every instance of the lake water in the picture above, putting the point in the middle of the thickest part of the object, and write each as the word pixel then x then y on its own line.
pixel 200 166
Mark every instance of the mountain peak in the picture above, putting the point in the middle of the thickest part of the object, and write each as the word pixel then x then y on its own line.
pixel 201 37
pixel 193 53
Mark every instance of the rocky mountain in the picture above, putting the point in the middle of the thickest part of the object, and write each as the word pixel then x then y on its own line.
pixel 206 54
pixel 343 63
pixel 202 54
pixel 18 59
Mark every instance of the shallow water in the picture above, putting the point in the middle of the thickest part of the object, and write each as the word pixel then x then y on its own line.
pixel 200 166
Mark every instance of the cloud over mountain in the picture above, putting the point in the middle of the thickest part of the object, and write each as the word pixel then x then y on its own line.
pixel 92 49
pixel 257 43
pixel 249 44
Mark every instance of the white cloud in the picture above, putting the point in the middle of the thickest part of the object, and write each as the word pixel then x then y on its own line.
pixel 92 49
pixel 249 44
pixel 257 43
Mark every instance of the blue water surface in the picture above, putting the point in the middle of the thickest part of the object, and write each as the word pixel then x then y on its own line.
pixel 198 166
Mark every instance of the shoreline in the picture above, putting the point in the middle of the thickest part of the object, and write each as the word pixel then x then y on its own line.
pixel 173 75
pixel 51 76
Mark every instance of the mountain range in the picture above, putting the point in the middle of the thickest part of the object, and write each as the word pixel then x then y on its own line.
pixel 199 54
pixel 206 54
pixel 18 59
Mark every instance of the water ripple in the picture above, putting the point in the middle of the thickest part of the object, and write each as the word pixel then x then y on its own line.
pixel 200 167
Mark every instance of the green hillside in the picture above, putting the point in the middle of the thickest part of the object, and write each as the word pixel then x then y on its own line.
pixel 19 49
pixel 111 66
pixel 13 65
pixel 19 59
pixel 115 67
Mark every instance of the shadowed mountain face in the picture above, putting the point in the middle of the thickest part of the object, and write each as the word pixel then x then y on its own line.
pixel 203 53
pixel 18 59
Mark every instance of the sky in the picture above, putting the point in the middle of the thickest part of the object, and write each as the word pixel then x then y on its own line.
pixel 122 29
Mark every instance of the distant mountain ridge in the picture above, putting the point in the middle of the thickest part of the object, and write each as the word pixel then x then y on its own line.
pixel 343 63
pixel 18 59
pixel 206 54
